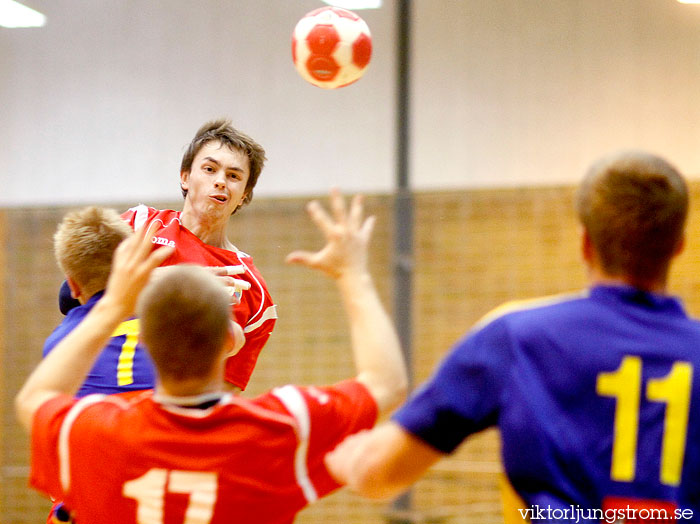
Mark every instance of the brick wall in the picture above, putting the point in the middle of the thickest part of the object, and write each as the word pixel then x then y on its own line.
pixel 473 251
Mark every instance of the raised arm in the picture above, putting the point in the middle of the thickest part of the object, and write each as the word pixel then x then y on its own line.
pixel 377 353
pixel 65 368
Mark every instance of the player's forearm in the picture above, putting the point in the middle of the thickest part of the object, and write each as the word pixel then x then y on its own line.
pixel 381 463
pixel 64 369
pixel 358 463
pixel 377 352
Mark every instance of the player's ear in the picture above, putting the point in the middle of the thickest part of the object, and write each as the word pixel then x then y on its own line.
pixel 680 246
pixel 246 197
pixel 184 180
pixel 235 339
pixel 75 290
pixel 587 249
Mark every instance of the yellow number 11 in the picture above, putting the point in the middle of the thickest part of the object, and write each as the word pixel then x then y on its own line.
pixel 625 385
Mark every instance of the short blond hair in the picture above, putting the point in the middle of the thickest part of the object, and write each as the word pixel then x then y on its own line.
pixel 185 317
pixel 84 245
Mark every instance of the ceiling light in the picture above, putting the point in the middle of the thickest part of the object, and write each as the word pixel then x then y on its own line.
pixel 689 1
pixel 357 4
pixel 14 14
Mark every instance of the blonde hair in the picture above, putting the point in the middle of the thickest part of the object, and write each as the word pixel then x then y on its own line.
pixel 185 315
pixel 84 245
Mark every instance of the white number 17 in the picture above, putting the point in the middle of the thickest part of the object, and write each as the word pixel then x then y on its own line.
pixel 150 489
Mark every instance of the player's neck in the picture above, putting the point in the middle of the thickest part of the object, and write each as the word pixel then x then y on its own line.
pixel 653 286
pixel 83 293
pixel 599 276
pixel 188 388
pixel 210 230
pixel 203 401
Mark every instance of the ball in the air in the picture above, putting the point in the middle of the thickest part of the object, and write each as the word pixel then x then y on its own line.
pixel 331 47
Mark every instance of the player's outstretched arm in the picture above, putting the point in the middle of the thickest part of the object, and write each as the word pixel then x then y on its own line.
pixel 376 349
pixel 381 463
pixel 65 368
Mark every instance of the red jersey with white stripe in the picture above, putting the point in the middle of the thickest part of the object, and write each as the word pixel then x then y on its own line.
pixel 145 460
pixel 256 312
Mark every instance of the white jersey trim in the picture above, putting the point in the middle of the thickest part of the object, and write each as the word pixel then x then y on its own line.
pixel 140 216
pixel 64 436
pixel 264 313
pixel 269 313
pixel 293 400
pixel 262 301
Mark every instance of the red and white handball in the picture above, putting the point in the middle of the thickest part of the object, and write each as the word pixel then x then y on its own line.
pixel 331 47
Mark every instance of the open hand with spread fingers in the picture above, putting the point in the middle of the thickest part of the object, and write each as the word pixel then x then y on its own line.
pixel 347 234
pixel 134 262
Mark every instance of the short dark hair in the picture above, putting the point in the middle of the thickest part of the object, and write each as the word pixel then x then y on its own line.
pixel 185 315
pixel 222 131
pixel 634 207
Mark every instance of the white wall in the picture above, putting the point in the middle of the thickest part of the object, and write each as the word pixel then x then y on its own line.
pixel 523 92
pixel 98 105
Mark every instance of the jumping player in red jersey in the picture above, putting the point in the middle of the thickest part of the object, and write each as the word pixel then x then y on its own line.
pixel 218 173
pixel 190 451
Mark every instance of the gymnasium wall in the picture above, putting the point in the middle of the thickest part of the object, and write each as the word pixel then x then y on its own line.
pixel 473 250
pixel 98 105
pixel 511 100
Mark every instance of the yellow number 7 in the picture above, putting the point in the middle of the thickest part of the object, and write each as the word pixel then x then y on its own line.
pixel 125 366
pixel 625 386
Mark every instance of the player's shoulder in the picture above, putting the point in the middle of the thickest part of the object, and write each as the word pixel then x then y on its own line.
pixel 533 308
pixel 339 401
pixel 74 317
pixel 90 413
pixel 142 214
pixel 241 254
pixel 264 409
pixel 99 419
pixel 118 401
pixel 289 399
pixel 299 401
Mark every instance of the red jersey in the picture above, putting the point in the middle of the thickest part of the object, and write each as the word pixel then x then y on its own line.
pixel 144 460
pixel 256 312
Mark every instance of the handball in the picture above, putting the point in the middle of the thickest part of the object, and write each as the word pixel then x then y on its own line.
pixel 331 47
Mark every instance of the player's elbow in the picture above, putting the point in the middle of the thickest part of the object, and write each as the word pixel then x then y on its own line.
pixel 371 484
pixel 360 462
pixel 388 390
pixel 28 401
pixel 399 386
pixel 22 411
pixel 373 474
pixel 399 391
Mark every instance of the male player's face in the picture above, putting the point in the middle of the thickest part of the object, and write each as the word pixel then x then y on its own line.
pixel 217 181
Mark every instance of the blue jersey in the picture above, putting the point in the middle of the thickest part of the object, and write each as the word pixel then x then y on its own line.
pixel 597 399
pixel 123 365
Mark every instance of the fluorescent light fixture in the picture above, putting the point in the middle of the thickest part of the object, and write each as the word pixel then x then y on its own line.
pixel 689 1
pixel 14 14
pixel 357 4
